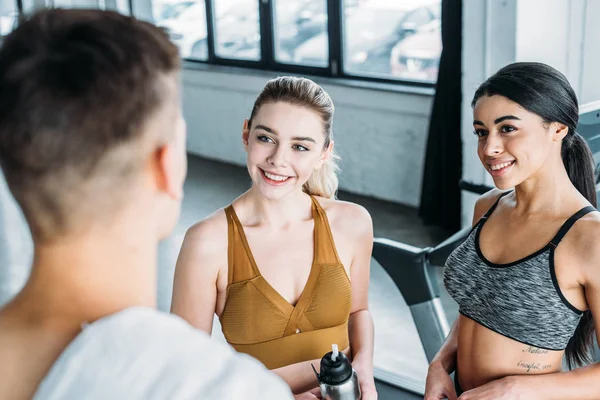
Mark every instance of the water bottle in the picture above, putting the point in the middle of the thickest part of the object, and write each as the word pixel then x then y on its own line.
pixel 337 380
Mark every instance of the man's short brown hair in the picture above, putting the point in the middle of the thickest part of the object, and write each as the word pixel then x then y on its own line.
pixel 76 88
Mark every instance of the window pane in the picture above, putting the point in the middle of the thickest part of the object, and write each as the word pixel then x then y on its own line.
pixel 121 6
pixel 76 3
pixel 142 10
pixel 185 22
pixel 8 17
pixel 237 33
pixel 393 39
pixel 300 34
pixel 30 6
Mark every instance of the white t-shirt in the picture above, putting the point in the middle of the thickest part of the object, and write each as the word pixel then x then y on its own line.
pixel 140 353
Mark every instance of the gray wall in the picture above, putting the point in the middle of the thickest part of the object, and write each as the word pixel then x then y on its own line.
pixel 570 44
pixel 380 135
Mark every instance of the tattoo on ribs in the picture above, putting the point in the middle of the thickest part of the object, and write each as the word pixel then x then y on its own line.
pixel 533 366
pixel 535 350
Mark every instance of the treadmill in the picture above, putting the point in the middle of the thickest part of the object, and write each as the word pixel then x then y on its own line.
pixel 412 268
pixel 412 271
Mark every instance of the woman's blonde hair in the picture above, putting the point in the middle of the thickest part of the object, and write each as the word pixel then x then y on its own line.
pixel 305 93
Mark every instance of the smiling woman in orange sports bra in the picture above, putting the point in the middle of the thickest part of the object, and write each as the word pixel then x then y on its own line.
pixel 286 266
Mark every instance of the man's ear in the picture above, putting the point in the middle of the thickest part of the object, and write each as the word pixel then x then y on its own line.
pixel 165 171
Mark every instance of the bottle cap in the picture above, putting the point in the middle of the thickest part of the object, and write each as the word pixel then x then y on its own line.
pixel 335 368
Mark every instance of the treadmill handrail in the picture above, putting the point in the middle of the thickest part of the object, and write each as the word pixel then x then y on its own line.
pixel 440 253
pixel 411 272
pixel 405 265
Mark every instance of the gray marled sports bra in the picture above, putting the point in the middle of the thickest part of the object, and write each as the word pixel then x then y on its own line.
pixel 520 300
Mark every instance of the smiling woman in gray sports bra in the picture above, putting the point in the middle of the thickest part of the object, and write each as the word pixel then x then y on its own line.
pixel 527 278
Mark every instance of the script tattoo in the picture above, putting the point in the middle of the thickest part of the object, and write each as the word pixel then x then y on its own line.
pixel 535 350
pixel 533 366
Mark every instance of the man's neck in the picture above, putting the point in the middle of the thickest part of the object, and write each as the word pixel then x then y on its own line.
pixel 73 281
pixel 86 278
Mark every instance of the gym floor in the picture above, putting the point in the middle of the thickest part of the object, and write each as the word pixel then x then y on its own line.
pixel 399 357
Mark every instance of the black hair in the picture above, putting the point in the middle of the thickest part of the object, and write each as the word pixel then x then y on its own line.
pixel 74 85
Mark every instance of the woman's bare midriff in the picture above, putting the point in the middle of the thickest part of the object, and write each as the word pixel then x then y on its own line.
pixel 484 356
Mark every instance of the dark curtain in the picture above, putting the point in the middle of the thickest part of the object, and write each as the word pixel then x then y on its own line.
pixel 440 195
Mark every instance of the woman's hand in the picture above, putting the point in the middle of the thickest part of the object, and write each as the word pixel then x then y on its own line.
pixel 366 382
pixel 502 389
pixel 310 395
pixel 367 389
pixel 438 384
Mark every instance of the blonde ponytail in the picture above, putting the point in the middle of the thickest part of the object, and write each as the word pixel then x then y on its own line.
pixel 305 93
pixel 323 182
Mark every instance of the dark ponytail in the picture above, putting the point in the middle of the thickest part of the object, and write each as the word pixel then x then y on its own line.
pixel 546 92
pixel 579 162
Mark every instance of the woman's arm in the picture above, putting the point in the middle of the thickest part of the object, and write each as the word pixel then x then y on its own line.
pixel 202 255
pixel 300 376
pixel 438 384
pixel 579 384
pixel 446 357
pixel 360 324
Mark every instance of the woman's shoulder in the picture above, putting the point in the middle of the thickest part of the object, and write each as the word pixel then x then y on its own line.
pixel 584 236
pixel 210 233
pixel 582 247
pixel 203 254
pixel 346 216
pixel 486 201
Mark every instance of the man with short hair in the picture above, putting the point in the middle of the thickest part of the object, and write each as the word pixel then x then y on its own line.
pixel 92 145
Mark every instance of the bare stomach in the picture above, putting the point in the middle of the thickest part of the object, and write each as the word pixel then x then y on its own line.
pixel 484 356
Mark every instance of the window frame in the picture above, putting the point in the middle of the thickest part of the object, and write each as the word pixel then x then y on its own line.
pixel 268 62
pixel 334 71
